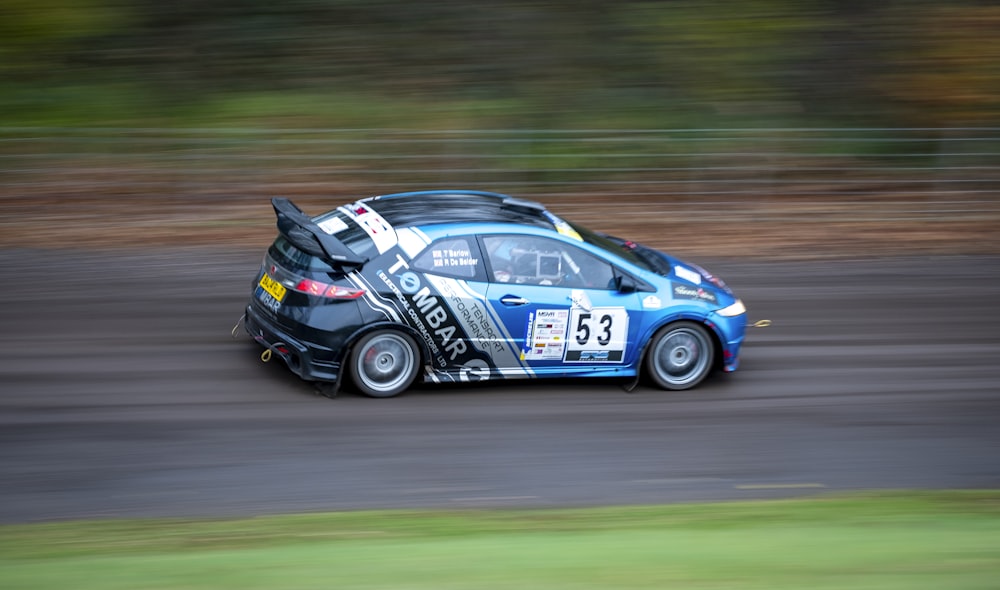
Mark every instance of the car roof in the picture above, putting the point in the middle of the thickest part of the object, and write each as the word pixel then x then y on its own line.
pixel 422 208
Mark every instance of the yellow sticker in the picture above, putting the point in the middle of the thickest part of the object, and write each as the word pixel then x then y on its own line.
pixel 567 230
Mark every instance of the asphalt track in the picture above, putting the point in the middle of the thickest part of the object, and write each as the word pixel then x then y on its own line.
pixel 123 394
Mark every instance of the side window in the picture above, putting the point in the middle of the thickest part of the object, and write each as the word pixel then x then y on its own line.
pixel 531 260
pixel 455 257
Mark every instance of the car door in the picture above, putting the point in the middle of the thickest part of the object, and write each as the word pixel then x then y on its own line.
pixel 559 305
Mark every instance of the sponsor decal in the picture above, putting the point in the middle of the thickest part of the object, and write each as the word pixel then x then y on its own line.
pixel 712 278
pixel 471 314
pixel 682 291
pixel 687 274
pixel 426 313
pixel 546 338
pixel 409 282
pixel 332 225
pixel 465 340
pixel 446 320
pixel 474 370
pixel 651 302
pixel 486 334
pixel 563 227
pixel 267 300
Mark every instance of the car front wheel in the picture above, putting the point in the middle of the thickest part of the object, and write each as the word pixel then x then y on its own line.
pixel 680 355
pixel 384 363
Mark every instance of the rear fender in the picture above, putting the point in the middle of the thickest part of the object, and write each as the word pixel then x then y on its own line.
pixel 425 352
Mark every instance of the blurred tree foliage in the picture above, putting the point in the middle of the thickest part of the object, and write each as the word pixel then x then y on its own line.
pixel 896 62
pixel 38 36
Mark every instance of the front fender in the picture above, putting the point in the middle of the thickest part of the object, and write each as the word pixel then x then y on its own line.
pixel 718 337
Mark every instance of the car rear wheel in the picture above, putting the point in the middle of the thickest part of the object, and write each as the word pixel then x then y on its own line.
pixel 680 356
pixel 384 363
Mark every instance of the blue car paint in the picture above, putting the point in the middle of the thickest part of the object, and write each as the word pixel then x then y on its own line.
pixel 729 331
pixel 431 316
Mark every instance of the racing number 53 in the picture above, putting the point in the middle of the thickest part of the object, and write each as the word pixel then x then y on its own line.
pixel 598 335
pixel 583 329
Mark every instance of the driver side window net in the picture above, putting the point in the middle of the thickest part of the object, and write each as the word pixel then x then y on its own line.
pixel 529 260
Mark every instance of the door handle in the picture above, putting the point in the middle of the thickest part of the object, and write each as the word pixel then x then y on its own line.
pixel 513 300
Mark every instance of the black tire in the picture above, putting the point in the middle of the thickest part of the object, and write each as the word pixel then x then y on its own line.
pixel 384 363
pixel 680 356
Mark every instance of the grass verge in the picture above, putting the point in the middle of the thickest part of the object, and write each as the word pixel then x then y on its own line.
pixel 878 540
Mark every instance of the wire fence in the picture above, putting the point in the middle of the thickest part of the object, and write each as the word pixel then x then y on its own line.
pixel 854 173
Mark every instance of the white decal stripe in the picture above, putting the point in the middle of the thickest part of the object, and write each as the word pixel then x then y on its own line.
pixel 517 372
pixel 377 228
pixel 373 302
pixel 380 230
pixel 489 308
pixel 421 234
pixel 411 241
pixel 514 355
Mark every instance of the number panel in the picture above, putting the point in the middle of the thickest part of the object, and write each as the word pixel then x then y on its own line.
pixel 598 335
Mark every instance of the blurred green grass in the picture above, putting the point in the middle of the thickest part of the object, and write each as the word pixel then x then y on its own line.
pixel 869 540
pixel 546 64
pixel 129 103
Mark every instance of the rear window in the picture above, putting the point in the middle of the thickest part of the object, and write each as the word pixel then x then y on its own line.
pixel 337 224
pixel 348 232
pixel 292 258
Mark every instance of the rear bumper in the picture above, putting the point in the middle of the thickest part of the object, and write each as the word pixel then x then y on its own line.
pixel 302 358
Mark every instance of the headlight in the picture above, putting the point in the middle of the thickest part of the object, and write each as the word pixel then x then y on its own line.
pixel 733 310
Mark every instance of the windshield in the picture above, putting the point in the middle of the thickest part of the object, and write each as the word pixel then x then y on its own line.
pixel 639 255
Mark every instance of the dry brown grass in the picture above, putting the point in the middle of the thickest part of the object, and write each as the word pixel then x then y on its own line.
pixel 773 228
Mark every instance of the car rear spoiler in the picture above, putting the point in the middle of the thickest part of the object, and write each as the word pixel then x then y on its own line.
pixel 299 229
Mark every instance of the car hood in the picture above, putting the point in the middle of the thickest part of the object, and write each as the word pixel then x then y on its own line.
pixel 691 281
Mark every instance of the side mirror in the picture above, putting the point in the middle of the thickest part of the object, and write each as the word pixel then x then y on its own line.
pixel 626 284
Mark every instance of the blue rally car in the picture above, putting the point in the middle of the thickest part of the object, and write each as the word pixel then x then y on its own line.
pixel 465 286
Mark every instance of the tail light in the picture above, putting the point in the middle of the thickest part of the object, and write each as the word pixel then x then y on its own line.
pixel 318 289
